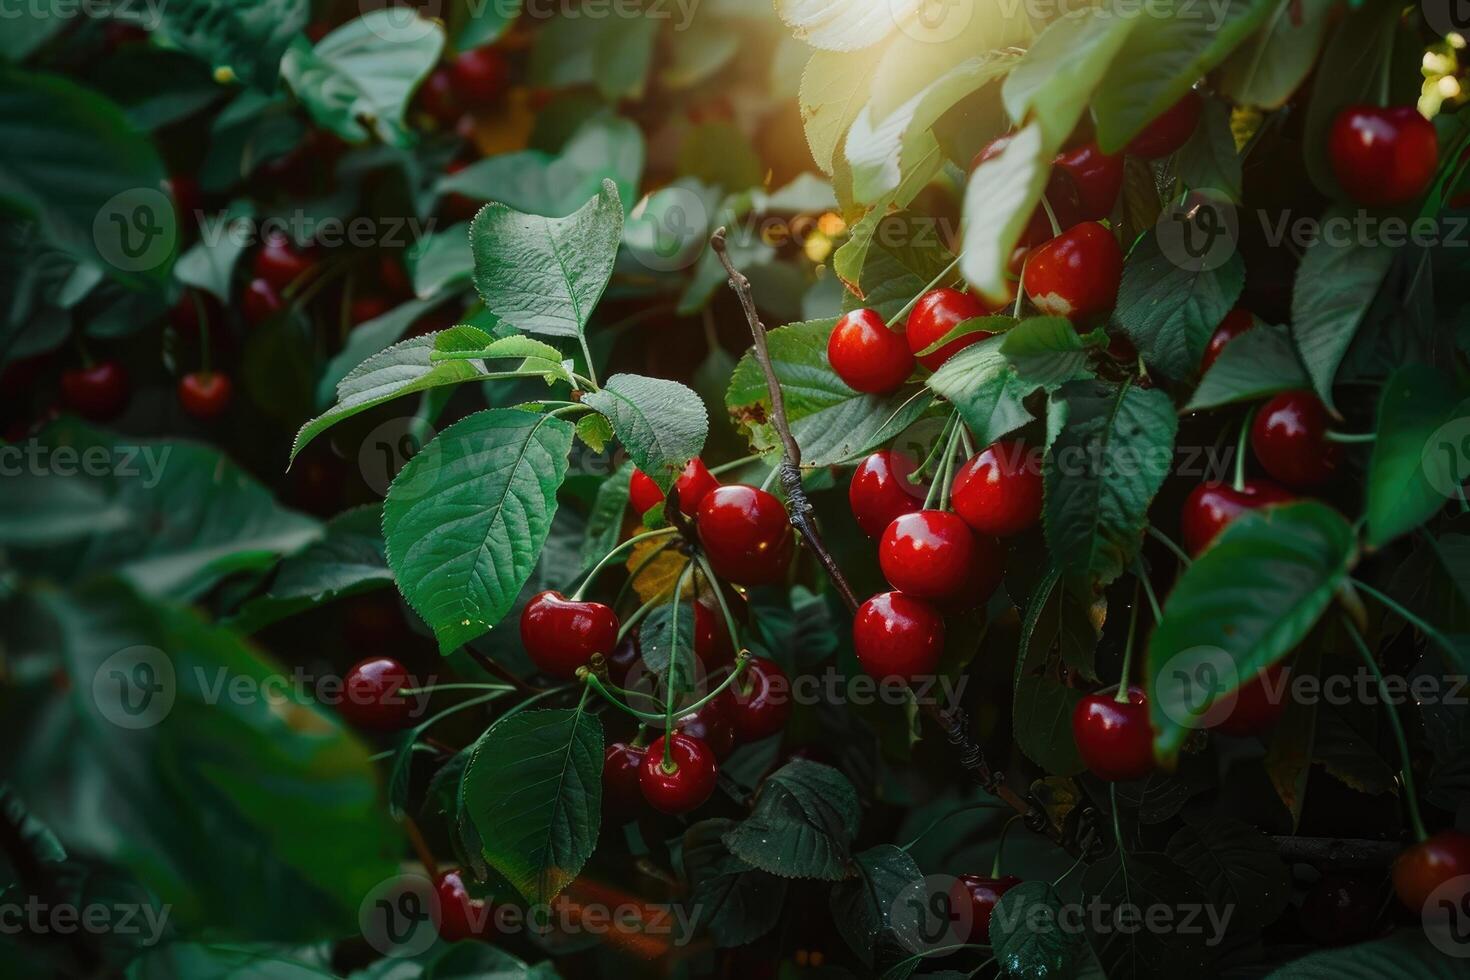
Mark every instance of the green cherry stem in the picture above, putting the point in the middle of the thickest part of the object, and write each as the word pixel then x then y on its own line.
pixel 909 306
pixel 662 532
pixel 587 355
pixel 946 470
pixel 1056 226
pixel 1350 437
pixel 637 616
pixel 1418 622
pixel 714 584
pixel 607 695
pixel 966 441
pixel 1122 696
pixel 1000 845
pixel 684 576
pixel 735 464
pixel 454 687
pixel 1411 799
pixel 1169 543
pixel 1240 442
pixel 641 567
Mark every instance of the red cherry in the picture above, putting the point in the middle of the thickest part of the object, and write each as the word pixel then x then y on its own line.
pixel 1289 437
pixel 881 490
pixel 1423 867
pixel 1383 155
pixel 1113 737
pixel 1060 192
pixel 760 700
pixel 691 782
pixel 1236 322
pixel 1097 176
pixel 711 726
pixel 460 916
pixel 99 392
pixel 438 99
pixel 479 76
pixel 1211 506
pixel 898 635
pixel 1255 708
pixel 927 554
pixel 1169 131
pixel 712 642
pixel 370 697
pixel 622 764
pixel 998 492
pixel 693 483
pixel 562 634
pixel 280 264
pixel 187 197
pixel 746 535
pixel 260 302
pixel 937 313
pixel 1076 274
pixel 866 355
pixel 987 570
pixel 983 893
pixel 205 394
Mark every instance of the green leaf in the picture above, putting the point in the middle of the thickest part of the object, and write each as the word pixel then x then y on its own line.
pixel 168 714
pixel 1105 466
pixel 210 264
pixel 533 789
pixel 1237 866
pixel 1171 49
pixel 988 382
pixel 1208 161
pixel 804 820
pixel 441 261
pixel 834 89
pixel 605 523
pixel 206 961
pixel 348 560
pixel 845 25
pixel 1056 78
pixel 478 24
pixel 660 644
pixel 365 70
pixel 367 339
pixel 70 159
pixel 661 424
pixel 905 260
pixel 831 422
pixel 1241 607
pixel 247 37
pixel 1266 70
pixel 545 275
pixel 37 515
pixel 611 53
pixel 1056 616
pixel 1405 955
pixel 862 908
pixel 1415 457
pixel 31 28
pixel 1335 284
pixel 736 902
pixel 34 836
pixel 1027 936
pixel 1259 363
pixel 403 369
pixel 1145 880
pixel 466 518
pixel 480 961
pixel 1000 197
pixel 851 262
pixel 1169 310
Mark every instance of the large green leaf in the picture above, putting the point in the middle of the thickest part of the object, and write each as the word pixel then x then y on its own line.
pixel 208 961
pixel 611 53
pixel 834 89
pixel 1059 629
pixel 734 901
pixel 1113 449
pixel 403 369
pixel 1261 362
pixel 466 518
pixel 1056 78
pixel 545 275
pixel 863 906
pixel 1171 49
pixel 1169 305
pixel 1266 70
pixel 533 789
pixel 244 39
pixel 804 820
pixel 1405 955
pixel 1237 866
pixel 1000 198
pixel 831 422
pixel 1145 881
pixel 176 517
pixel 988 382
pixel 1240 607
pixel 477 24
pixel 1028 937
pixel 844 25
pixel 210 264
pixel 70 159
pixel 1409 477
pixel 167 718
pixel 1208 161
pixel 1335 284
pixel 661 424
pixel 365 70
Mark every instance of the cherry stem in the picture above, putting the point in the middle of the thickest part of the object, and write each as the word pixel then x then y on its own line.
pixel 1122 696
pixel 1148 590
pixel 742 660
pixel 635 539
pixel 1411 801
pixel 735 464
pixel 1417 621
pixel 966 441
pixel 938 456
pixel 420 847
pixel 1000 846
pixel 1350 437
pixel 947 469
pixel 684 576
pixel 639 569
pixel 1169 543
pixel 594 684
pixel 587 355
pixel 940 819
pixel 637 616
pixel 1245 434
pixel 406 691
pixel 1384 89
pixel 1056 226
pixel 714 584
pixel 909 306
